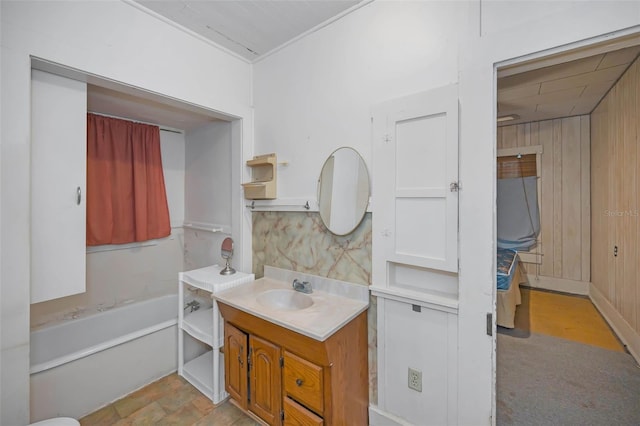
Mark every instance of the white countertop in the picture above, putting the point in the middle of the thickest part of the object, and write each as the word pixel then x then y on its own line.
pixel 328 313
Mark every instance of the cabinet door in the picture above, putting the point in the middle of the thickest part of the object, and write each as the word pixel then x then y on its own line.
pixel 415 164
pixel 235 366
pixel 58 169
pixel 266 379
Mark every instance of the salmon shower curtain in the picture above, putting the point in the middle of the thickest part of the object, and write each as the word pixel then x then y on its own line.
pixel 126 198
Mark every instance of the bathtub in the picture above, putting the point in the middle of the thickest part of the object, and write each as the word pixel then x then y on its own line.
pixel 80 365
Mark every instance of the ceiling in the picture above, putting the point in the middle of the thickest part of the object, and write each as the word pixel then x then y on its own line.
pixel 558 85
pixel 250 28
pixel 116 103
pixel 568 88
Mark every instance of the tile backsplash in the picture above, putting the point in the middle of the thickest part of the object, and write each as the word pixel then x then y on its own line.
pixel 299 241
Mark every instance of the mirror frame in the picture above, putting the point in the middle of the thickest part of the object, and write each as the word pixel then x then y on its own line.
pixel 361 212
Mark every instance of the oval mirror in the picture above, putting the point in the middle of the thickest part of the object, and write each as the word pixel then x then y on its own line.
pixel 343 191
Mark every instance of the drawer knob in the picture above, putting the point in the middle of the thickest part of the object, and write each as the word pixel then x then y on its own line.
pixel 299 382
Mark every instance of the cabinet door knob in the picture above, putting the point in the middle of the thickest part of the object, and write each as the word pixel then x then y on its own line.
pixel 299 382
pixel 78 196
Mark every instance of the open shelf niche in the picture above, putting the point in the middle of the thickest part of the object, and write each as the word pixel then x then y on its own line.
pixel 263 178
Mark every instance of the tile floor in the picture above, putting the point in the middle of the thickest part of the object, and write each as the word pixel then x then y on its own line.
pixel 173 401
pixel 168 401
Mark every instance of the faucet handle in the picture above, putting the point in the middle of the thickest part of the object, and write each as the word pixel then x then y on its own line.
pixel 304 286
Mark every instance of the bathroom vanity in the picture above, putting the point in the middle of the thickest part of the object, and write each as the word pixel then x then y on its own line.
pixel 290 362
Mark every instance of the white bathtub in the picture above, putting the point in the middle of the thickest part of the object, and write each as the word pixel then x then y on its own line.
pixel 81 365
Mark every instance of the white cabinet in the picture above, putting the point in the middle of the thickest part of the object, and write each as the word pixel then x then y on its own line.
pixel 415 255
pixel 58 165
pixel 205 371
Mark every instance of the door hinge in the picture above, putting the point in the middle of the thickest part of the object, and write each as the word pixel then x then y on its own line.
pixel 281 362
pixel 489 324
pixel 282 415
pixel 454 187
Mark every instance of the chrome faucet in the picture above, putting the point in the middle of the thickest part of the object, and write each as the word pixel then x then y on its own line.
pixel 303 287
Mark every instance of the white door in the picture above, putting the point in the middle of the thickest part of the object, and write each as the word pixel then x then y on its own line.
pixel 415 166
pixel 58 169
pixel 415 257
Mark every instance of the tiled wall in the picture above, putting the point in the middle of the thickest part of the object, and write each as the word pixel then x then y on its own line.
pixel 299 241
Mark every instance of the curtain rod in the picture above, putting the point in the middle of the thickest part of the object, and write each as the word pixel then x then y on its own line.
pixel 164 129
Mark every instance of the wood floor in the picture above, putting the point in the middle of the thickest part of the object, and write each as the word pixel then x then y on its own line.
pixel 566 316
pixel 169 401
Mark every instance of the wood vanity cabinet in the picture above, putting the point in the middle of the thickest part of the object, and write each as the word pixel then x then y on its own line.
pixel 286 378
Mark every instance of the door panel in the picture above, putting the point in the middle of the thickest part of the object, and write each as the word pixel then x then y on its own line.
pixel 58 176
pixel 235 366
pixel 266 379
pixel 415 172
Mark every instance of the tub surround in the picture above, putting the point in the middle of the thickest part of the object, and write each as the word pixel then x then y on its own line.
pixel 66 342
pixel 335 303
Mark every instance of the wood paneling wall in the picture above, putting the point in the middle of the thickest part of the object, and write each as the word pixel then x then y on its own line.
pixel 615 130
pixel 565 223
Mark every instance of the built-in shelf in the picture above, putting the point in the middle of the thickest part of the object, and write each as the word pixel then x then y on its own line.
pixel 206 326
pixel 199 324
pixel 263 178
pixel 432 299
pixel 198 373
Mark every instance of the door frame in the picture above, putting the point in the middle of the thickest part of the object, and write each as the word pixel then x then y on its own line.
pixel 576 50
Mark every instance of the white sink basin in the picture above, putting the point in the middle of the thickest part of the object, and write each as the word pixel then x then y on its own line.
pixel 285 300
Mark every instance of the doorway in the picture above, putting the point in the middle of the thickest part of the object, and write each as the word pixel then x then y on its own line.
pixel 546 106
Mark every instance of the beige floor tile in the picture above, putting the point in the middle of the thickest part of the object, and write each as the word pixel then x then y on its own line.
pixel 149 415
pixel 245 421
pixel 178 399
pixel 185 416
pixel 223 415
pixel 203 405
pixel 160 388
pixel 104 417
pixel 132 403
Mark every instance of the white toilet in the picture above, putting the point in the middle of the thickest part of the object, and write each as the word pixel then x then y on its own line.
pixel 58 421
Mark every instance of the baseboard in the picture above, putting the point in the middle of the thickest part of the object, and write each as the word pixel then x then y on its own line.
pixel 628 335
pixel 377 417
pixel 559 284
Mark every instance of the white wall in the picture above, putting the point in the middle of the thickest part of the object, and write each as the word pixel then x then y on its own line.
pixel 208 173
pixel 208 192
pixel 172 148
pixel 317 93
pixel 110 39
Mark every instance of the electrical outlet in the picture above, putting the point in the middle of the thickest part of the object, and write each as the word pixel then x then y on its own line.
pixel 415 379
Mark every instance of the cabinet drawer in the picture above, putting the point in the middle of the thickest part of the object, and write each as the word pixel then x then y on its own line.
pixel 296 415
pixel 303 382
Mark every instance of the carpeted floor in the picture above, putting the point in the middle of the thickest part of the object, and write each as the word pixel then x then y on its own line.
pixel 544 380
